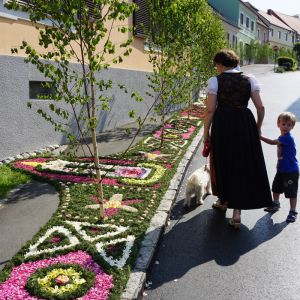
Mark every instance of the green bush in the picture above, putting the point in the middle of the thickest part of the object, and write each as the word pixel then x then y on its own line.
pixel 280 70
pixel 290 64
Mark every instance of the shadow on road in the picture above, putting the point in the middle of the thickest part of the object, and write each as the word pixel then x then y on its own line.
pixel 205 237
pixel 31 190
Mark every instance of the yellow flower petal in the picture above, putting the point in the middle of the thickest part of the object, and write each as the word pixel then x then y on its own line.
pixel 32 163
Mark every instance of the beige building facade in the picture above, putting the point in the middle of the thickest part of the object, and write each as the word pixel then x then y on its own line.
pixel 280 34
pixel 16 27
pixel 23 129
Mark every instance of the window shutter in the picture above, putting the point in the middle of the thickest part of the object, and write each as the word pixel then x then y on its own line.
pixel 18 1
pixel 91 5
pixel 141 18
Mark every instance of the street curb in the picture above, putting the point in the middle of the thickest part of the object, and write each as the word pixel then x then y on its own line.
pixel 136 282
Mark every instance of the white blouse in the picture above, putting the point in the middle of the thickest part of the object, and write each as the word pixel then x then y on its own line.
pixel 212 84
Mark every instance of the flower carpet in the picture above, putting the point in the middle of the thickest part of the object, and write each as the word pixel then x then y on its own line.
pixel 77 255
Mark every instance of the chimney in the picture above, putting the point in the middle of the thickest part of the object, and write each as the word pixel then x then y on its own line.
pixel 297 16
pixel 270 12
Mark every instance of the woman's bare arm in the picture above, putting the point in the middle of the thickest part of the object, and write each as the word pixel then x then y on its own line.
pixel 211 103
pixel 260 109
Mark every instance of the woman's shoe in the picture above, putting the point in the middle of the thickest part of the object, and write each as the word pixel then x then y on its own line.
pixel 219 205
pixel 235 221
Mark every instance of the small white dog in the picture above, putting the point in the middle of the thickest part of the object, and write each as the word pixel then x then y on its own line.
pixel 198 184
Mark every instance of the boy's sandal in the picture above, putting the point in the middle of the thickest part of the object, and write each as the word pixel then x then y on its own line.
pixel 292 216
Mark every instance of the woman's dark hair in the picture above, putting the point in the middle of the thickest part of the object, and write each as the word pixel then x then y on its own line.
pixel 227 58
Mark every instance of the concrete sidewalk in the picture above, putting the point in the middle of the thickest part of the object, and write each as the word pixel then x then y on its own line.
pixel 22 214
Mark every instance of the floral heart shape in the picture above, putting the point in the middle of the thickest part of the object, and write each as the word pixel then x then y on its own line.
pixel 119 263
pixel 79 226
pixel 33 249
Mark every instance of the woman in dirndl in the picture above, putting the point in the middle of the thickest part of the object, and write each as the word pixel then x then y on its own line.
pixel 237 161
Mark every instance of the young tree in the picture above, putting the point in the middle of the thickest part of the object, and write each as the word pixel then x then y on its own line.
pixel 79 31
pixel 297 51
pixel 183 37
pixel 262 53
pixel 250 51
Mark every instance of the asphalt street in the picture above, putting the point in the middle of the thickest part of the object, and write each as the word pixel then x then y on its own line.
pixel 201 257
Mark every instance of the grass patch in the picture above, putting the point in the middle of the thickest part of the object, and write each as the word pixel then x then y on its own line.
pixel 9 179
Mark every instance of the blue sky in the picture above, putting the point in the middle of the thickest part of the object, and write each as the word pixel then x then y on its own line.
pixel 289 7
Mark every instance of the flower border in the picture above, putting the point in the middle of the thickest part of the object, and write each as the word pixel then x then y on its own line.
pixel 119 263
pixel 32 251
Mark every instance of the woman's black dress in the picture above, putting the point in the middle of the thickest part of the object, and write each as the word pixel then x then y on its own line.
pixel 240 171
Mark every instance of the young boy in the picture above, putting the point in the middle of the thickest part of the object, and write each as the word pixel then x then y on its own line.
pixel 286 178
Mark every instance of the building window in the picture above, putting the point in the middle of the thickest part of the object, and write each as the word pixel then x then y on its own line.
pixel 252 26
pixel 293 38
pixel 247 22
pixel 41 90
pixel 279 34
pixel 264 37
pixel 286 36
pixel 141 19
pixel 241 19
pixel 272 32
pixel 258 33
pixel 228 37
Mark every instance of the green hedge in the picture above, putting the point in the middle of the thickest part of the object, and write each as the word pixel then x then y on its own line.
pixel 290 64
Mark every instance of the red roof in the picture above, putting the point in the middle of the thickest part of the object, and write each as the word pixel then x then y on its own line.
pixel 293 22
pixel 273 20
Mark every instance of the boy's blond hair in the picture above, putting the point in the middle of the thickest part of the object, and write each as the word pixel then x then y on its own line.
pixel 287 116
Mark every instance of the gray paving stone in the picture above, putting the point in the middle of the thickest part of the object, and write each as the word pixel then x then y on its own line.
pixel 9 159
pixel 169 195
pixel 174 184
pixel 39 151
pixel 165 205
pixel 60 149
pixel 134 286
pixel 144 259
pixel 152 236
pixel 159 219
